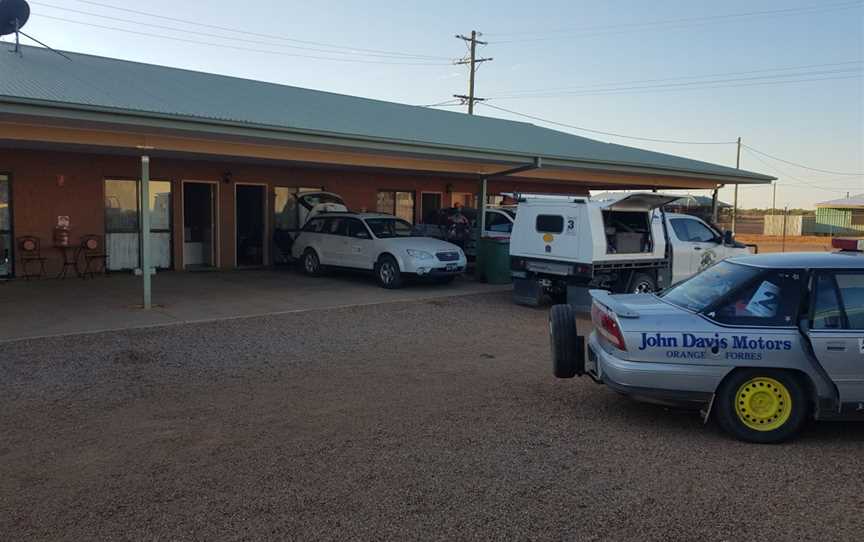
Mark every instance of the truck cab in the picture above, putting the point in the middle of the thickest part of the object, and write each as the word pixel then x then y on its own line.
pixel 563 245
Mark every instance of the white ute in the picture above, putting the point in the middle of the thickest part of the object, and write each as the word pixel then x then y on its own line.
pixel 564 245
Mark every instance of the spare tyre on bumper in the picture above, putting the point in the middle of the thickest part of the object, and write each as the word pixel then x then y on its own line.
pixel 568 348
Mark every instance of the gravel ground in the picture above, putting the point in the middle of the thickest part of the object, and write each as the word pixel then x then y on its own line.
pixel 426 420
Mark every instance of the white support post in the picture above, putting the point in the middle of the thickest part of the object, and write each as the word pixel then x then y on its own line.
pixel 146 267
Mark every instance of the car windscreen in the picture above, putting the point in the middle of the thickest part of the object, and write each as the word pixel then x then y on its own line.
pixel 709 286
pixel 384 228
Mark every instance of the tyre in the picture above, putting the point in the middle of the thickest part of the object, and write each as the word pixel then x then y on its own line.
pixel 643 283
pixel 311 263
pixel 387 272
pixel 568 350
pixel 762 405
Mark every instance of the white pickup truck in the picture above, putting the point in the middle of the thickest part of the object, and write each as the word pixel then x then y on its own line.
pixel 564 245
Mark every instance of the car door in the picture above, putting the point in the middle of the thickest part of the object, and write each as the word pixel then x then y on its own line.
pixel 331 242
pixel 358 245
pixel 498 224
pixel 836 330
pixel 696 247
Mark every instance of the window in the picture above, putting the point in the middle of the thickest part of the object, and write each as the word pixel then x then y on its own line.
pixel 336 226
pixel 851 287
pixel 384 228
pixel 693 231
pixel 550 223
pixel 771 299
pixel 826 305
pixel 357 229
pixel 710 286
pixel 316 225
pixel 121 206
pixel 498 223
pixel 400 204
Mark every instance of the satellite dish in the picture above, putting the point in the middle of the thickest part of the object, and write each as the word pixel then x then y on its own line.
pixel 13 15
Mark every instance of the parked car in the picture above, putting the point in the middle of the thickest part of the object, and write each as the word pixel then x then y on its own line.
pixel 382 244
pixel 564 245
pixel 761 343
pixel 296 212
pixel 459 225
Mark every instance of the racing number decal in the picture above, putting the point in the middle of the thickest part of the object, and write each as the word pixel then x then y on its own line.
pixel 571 226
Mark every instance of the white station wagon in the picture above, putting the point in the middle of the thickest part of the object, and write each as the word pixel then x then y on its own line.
pixel 379 243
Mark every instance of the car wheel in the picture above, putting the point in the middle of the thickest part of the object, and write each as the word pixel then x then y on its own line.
pixel 311 263
pixel 761 405
pixel 643 283
pixel 568 348
pixel 387 272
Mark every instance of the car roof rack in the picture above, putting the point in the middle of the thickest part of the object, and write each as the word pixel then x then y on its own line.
pixel 520 197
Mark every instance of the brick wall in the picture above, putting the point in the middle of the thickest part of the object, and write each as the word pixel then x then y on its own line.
pixel 47 184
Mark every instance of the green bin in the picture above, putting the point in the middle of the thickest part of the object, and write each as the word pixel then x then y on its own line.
pixel 493 260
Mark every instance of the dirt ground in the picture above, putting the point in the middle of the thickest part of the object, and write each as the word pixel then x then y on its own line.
pixel 435 419
pixel 773 243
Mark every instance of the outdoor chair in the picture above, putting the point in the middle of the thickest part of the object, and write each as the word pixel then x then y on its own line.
pixel 92 250
pixel 30 254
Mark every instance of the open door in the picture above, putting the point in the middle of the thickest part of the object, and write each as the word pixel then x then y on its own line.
pixel 642 201
pixel 250 202
pixel 199 225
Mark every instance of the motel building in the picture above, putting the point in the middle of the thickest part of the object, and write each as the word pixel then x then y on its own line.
pixel 220 157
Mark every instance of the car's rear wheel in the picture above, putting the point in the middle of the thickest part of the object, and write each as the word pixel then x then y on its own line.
pixel 311 263
pixel 568 349
pixel 762 405
pixel 387 272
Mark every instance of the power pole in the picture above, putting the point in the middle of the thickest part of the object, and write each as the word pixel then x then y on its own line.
pixel 735 201
pixel 774 200
pixel 472 62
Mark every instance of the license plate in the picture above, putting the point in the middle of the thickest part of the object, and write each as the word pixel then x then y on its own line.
pixel 451 267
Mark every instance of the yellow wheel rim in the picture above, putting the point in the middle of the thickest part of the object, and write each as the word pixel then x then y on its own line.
pixel 763 404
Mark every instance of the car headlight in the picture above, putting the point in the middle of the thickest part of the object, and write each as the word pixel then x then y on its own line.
pixel 419 254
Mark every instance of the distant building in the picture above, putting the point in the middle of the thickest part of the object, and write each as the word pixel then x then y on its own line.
pixel 843 216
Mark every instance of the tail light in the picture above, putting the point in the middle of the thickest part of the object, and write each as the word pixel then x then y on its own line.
pixel 856 245
pixel 606 324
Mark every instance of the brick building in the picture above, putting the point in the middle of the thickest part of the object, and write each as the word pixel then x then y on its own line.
pixel 224 153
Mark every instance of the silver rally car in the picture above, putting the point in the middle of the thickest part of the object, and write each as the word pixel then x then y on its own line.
pixel 762 343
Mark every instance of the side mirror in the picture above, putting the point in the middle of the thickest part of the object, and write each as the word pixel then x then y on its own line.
pixel 728 237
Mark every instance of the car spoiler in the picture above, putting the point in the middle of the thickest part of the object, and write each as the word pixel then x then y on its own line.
pixel 605 298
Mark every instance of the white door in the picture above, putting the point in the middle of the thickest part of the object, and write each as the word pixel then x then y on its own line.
pixel 498 224
pixel 360 246
pixel 696 247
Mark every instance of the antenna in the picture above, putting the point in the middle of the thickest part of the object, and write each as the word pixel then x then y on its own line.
pixel 13 16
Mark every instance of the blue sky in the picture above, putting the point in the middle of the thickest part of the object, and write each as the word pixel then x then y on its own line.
pixel 615 66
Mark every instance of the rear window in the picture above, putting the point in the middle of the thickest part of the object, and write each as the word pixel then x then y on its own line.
pixel 709 286
pixel 550 223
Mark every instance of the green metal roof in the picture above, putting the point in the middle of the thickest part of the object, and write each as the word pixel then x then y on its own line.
pixel 92 83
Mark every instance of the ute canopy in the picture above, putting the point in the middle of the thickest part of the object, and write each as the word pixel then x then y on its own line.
pixel 638 202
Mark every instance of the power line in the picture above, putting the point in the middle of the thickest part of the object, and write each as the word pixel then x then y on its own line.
pixel 683 77
pixel 682 22
pixel 258 34
pixel 222 36
pixel 802 165
pixel 699 85
pixel 248 49
pixel 801 182
pixel 583 129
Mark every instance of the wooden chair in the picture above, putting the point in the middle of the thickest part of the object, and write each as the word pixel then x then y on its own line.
pixel 29 254
pixel 92 249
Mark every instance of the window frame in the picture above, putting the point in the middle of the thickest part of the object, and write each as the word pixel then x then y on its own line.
pixel 759 277
pixel 844 319
pixel 395 192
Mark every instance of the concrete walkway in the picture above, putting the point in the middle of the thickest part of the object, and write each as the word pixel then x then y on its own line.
pixel 57 307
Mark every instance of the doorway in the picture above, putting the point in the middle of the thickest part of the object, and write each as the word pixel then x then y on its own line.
pixel 199 224
pixel 250 211
pixel 430 202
